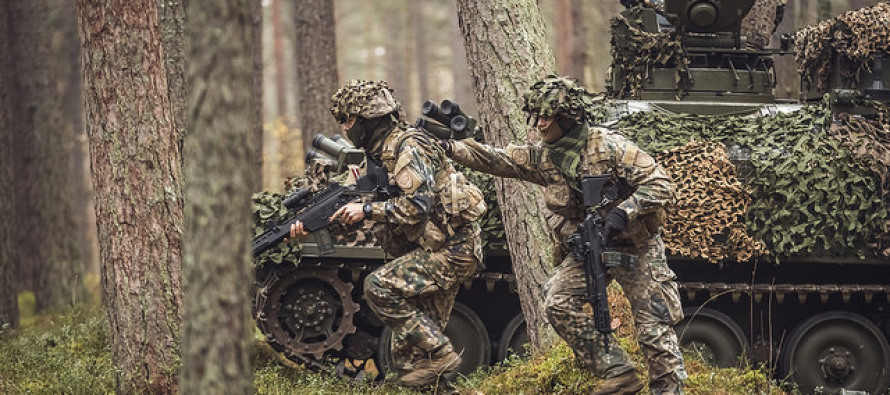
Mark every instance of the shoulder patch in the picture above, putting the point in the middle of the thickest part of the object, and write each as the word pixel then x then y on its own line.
pixel 407 180
pixel 519 155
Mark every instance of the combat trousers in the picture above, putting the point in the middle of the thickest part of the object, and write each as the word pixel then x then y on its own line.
pixel 654 300
pixel 414 294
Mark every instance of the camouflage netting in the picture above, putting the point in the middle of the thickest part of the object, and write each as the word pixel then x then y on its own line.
pixel 810 194
pixel 853 37
pixel 709 219
pixel 267 206
pixel 635 52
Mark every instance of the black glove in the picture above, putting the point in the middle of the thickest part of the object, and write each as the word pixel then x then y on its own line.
pixel 447 145
pixel 616 222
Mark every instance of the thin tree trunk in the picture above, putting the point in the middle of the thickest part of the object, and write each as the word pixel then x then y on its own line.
pixel 9 311
pixel 421 57
pixel 503 67
pixel 564 28
pixel 278 55
pixel 42 145
pixel 824 10
pixel 136 162
pixel 579 42
pixel 396 73
pixel 316 58
pixel 217 266
pixel 256 155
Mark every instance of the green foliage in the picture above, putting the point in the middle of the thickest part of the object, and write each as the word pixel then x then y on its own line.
pixel 69 354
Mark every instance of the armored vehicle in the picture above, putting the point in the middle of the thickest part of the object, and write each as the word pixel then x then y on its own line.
pixel 780 233
pixel 779 236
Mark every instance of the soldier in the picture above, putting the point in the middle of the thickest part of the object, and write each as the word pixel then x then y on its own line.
pixel 430 227
pixel 572 148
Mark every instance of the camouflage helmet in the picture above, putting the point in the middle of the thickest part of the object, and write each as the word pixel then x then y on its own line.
pixel 555 94
pixel 368 99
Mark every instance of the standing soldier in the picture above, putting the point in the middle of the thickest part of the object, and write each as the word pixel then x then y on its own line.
pixel 430 227
pixel 571 149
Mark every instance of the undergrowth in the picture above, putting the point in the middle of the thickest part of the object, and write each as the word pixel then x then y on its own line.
pixel 69 353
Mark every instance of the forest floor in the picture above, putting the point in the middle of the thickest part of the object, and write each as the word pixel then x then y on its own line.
pixel 69 352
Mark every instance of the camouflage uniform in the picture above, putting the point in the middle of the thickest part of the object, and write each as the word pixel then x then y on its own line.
pixel 650 287
pixel 430 227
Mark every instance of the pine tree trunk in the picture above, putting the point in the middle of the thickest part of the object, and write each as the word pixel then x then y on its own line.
pixel 579 42
pixel 217 265
pixel 316 59
pixel 507 51
pixel 256 135
pixel 9 312
pixel 136 163
pixel 41 146
pixel 421 57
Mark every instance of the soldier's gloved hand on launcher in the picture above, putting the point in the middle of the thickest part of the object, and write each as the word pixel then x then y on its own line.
pixel 616 222
pixel 447 146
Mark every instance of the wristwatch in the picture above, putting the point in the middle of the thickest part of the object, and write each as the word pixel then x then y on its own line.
pixel 367 210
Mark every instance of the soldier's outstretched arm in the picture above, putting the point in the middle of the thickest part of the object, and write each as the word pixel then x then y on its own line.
pixel 513 162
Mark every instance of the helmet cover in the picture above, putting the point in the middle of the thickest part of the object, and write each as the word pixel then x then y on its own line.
pixel 368 99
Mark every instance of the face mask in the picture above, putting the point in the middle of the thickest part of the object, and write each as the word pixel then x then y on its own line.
pixel 357 133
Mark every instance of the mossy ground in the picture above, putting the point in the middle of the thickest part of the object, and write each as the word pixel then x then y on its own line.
pixel 69 353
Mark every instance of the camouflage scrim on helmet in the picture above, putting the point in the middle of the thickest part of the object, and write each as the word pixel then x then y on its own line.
pixel 368 99
pixel 555 94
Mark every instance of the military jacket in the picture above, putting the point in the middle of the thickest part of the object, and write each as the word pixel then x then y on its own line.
pixel 606 152
pixel 434 201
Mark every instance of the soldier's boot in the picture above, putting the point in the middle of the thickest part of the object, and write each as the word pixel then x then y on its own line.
pixel 626 383
pixel 427 371
pixel 666 387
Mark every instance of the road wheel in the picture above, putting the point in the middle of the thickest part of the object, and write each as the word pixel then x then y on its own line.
pixel 837 350
pixel 712 335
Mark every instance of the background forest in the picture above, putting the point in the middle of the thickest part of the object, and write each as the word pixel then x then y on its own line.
pixel 102 198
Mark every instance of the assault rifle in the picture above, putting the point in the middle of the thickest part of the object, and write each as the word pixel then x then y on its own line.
pixel 589 246
pixel 315 210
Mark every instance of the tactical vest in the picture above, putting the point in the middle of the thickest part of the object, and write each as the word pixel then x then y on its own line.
pixel 457 202
pixel 598 162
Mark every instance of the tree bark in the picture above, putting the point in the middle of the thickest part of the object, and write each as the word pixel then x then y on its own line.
pixel 136 162
pixel 42 145
pixel 316 59
pixel 217 264
pixel 9 311
pixel 507 51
